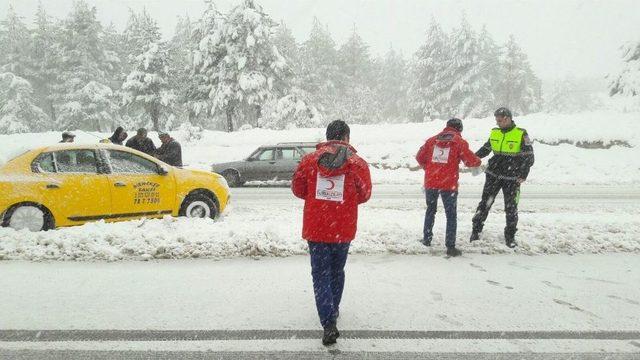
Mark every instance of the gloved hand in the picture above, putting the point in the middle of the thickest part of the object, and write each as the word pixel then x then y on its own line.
pixel 478 170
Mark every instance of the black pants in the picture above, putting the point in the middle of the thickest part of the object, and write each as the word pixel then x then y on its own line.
pixel 511 192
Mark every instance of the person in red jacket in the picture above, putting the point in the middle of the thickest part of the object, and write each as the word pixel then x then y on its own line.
pixel 333 181
pixel 439 157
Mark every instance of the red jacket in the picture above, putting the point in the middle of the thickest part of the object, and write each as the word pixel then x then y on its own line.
pixel 333 181
pixel 440 156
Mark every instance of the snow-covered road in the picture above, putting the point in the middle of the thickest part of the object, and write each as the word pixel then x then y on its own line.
pixel 395 306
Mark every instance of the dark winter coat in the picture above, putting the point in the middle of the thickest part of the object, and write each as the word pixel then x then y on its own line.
pixel 115 138
pixel 170 152
pixel 509 167
pixel 440 156
pixel 333 181
pixel 142 144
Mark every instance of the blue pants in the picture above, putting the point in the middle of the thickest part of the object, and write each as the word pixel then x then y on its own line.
pixel 327 270
pixel 450 201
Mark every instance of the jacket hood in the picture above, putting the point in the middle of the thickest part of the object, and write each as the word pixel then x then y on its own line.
pixel 334 157
pixel 446 137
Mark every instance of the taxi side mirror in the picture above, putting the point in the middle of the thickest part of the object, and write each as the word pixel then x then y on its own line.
pixel 162 170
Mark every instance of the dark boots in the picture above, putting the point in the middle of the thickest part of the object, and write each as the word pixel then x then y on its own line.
pixel 453 252
pixel 331 334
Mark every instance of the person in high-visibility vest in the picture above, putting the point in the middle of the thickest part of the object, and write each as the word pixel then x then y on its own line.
pixel 506 171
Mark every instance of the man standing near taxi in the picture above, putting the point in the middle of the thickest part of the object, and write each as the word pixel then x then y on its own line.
pixel 506 171
pixel 333 181
pixel 170 151
pixel 440 157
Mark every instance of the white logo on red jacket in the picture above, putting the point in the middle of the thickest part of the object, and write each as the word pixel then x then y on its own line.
pixel 330 188
pixel 440 155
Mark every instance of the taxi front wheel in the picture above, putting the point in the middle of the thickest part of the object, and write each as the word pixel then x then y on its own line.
pixel 28 216
pixel 199 206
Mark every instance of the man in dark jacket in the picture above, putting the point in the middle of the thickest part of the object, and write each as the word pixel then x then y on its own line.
pixel 508 168
pixel 439 157
pixel 170 151
pixel 118 137
pixel 67 137
pixel 333 181
pixel 142 143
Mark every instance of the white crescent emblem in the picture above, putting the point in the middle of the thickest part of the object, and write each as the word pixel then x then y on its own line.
pixel 333 184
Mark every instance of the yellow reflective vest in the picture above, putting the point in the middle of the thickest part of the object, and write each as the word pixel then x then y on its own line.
pixel 506 143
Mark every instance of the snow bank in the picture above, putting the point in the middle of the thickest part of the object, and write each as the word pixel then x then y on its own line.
pixel 272 227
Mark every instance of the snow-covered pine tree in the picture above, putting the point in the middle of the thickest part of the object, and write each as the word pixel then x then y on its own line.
pixel 627 83
pixel 292 110
pixel 288 47
pixel 490 55
pixel 356 99
pixel 469 89
pixel 293 107
pixel 354 61
pixel 147 86
pixel 18 112
pixel 116 56
pixel 44 59
pixel 15 44
pixel 82 98
pixel 208 35
pixel 391 89
pixel 319 74
pixel 141 31
pixel 428 79
pixel 520 90
pixel 180 49
pixel 250 66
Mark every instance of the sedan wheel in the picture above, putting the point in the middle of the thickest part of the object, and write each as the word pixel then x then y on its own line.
pixel 198 209
pixel 27 217
pixel 199 206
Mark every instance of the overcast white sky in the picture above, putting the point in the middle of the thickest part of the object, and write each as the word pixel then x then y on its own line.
pixel 561 37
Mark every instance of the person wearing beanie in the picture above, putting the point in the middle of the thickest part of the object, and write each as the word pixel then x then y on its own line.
pixel 439 157
pixel 117 138
pixel 170 151
pixel 68 137
pixel 507 170
pixel 332 181
pixel 141 142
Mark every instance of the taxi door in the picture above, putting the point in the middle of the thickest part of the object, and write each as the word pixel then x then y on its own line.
pixel 139 186
pixel 72 186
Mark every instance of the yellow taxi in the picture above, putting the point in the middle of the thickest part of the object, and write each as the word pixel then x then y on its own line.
pixel 71 184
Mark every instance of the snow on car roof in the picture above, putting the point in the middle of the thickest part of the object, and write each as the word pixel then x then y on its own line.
pixel 12 154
